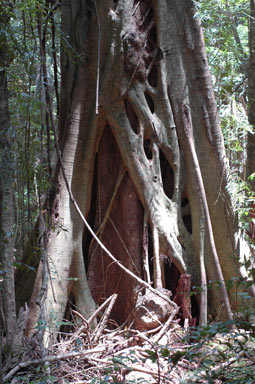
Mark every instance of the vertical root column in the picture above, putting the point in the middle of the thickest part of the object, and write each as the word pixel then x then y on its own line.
pixel 150 117
pixel 157 275
pixel 205 224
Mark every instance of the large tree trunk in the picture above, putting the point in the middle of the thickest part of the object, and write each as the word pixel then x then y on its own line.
pixel 144 156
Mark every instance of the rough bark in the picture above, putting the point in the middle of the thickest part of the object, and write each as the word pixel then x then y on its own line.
pixel 65 258
pixel 146 167
pixel 7 230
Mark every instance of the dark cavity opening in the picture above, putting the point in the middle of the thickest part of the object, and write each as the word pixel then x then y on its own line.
pixel 147 149
pixel 186 214
pixel 131 115
pixel 153 36
pixel 153 76
pixel 185 201
pixel 149 46
pixel 144 7
pixel 160 55
pixel 172 275
pixel 89 13
pixel 167 175
pixel 150 102
pixel 68 328
pixel 195 313
pixel 87 237
pixel 147 19
pixel 89 9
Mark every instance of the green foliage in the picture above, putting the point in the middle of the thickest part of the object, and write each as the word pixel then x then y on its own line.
pixel 227 356
pixel 226 34
pixel 219 352
pixel 226 27
pixel 32 137
pixel 36 377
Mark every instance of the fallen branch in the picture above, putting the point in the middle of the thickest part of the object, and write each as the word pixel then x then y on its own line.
pixel 130 368
pixel 92 317
pixel 86 325
pixel 49 359
pixel 101 326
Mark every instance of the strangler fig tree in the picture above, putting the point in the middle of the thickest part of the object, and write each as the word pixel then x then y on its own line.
pixel 143 154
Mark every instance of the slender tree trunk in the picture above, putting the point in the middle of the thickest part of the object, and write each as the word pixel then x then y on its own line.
pixel 7 230
pixel 140 138
pixel 250 164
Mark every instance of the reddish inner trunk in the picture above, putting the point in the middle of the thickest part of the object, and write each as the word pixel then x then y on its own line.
pixel 121 230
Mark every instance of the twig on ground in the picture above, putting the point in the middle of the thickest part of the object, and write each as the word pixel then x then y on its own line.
pixel 101 326
pixel 86 325
pixel 167 324
pixel 89 321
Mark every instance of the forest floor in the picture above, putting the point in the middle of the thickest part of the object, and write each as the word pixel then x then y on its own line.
pixel 168 354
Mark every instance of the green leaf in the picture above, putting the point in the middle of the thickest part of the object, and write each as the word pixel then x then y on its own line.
pixel 152 355
pixel 177 356
pixel 251 177
pixel 118 360
pixel 165 352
